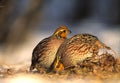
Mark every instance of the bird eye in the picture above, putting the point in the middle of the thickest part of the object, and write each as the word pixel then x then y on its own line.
pixel 64 31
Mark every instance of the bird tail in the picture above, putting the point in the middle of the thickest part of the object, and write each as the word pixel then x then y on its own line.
pixel 31 67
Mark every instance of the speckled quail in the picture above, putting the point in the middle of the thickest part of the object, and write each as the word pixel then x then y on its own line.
pixel 44 53
pixel 79 48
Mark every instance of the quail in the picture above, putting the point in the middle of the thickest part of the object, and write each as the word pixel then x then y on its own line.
pixel 79 48
pixel 44 53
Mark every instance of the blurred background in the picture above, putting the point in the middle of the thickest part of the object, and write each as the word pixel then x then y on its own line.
pixel 23 23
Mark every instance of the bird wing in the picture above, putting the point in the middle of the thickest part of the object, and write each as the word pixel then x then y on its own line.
pixel 38 51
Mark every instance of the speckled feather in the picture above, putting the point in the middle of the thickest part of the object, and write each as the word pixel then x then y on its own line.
pixel 44 53
pixel 78 48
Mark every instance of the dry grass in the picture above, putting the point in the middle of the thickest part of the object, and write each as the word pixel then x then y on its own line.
pixel 11 73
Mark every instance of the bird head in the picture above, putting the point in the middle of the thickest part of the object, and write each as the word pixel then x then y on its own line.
pixel 62 32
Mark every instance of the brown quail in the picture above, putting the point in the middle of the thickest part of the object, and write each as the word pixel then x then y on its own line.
pixel 44 53
pixel 79 48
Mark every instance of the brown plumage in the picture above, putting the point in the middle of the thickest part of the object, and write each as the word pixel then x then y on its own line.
pixel 44 53
pixel 79 48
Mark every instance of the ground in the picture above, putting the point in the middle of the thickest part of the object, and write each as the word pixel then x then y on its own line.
pixel 16 73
